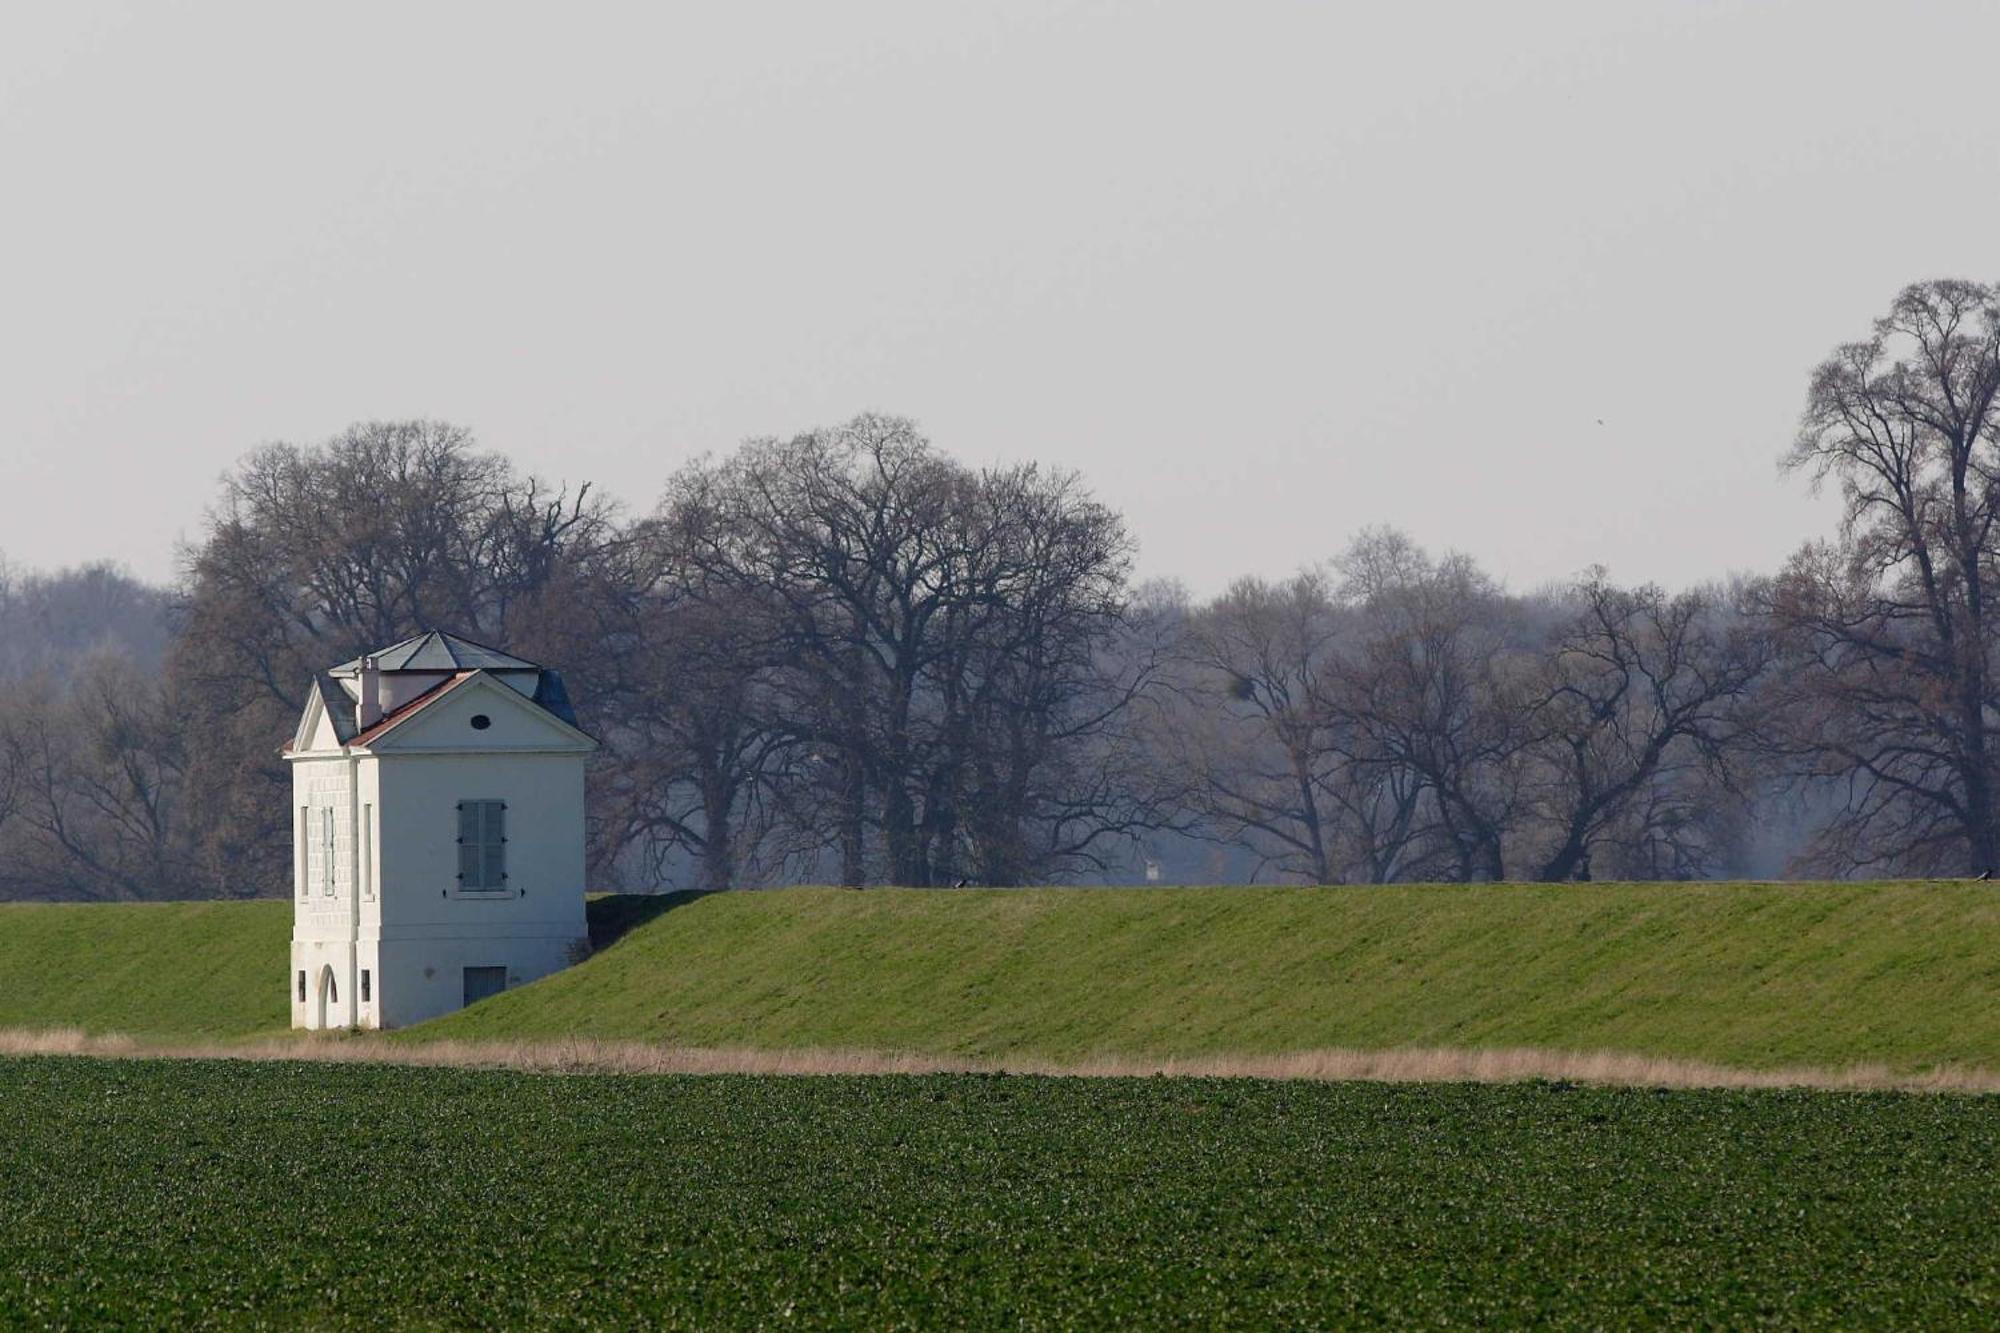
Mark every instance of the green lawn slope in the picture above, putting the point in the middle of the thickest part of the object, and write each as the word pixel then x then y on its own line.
pixel 1755 975
pixel 1751 975
pixel 209 970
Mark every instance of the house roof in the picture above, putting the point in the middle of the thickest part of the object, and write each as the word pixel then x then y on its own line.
pixel 438 651
pixel 455 661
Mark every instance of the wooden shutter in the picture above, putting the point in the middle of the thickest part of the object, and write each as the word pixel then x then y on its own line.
pixel 468 844
pixel 482 844
pixel 493 845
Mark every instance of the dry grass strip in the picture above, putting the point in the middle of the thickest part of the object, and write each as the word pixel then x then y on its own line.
pixel 1414 1065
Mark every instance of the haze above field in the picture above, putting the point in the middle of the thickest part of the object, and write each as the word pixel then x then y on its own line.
pixel 1542 283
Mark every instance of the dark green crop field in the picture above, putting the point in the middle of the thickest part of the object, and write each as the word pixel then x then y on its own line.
pixel 170 1193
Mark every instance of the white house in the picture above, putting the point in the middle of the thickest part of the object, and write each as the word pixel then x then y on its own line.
pixel 437 809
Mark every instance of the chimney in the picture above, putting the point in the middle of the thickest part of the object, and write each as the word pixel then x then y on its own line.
pixel 369 710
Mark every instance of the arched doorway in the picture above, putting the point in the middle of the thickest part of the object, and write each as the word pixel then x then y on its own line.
pixel 329 996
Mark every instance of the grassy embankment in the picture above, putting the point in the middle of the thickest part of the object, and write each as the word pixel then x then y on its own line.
pixel 180 970
pixel 1754 976
pixel 226 1193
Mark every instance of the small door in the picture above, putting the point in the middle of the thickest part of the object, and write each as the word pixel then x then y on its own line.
pixel 481 982
pixel 329 996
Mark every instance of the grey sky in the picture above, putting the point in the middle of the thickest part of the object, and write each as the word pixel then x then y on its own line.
pixel 1265 273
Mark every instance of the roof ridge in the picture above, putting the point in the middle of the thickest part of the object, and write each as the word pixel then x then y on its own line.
pixel 439 650
pixel 474 643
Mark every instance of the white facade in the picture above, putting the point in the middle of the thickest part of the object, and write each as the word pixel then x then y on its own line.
pixel 438 838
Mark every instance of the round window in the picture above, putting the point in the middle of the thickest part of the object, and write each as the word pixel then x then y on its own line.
pixel 481 722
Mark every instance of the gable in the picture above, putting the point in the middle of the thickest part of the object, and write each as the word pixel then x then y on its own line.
pixel 320 727
pixel 324 736
pixel 445 723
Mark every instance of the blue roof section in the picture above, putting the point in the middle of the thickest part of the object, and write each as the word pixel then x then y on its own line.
pixel 552 694
pixel 438 651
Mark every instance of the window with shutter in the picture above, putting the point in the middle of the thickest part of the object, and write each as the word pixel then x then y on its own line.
pixel 482 845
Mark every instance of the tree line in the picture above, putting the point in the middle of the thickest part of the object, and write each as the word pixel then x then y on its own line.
pixel 846 656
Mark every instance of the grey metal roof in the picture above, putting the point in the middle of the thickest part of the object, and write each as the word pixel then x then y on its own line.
pixel 339 708
pixel 438 651
pixel 453 661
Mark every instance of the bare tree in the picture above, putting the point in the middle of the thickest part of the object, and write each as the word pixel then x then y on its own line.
pixel 1439 685
pixel 1636 685
pixel 1889 690
pixel 844 650
pixel 705 760
pixel 317 554
pixel 1036 681
pixel 1262 749
pixel 55 622
pixel 939 630
pixel 94 774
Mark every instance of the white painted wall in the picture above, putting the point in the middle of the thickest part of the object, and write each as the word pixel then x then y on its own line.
pixel 326 925
pixel 399 913
pixel 533 926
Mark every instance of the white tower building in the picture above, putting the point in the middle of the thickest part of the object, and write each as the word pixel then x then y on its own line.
pixel 437 809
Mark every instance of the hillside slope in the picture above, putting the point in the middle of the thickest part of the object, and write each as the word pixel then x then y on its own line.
pixel 149 969
pixel 1756 975
pixel 1753 975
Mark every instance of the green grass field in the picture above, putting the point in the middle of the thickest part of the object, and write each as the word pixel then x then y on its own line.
pixel 1748 975
pixel 203 970
pixel 1761 975
pixel 172 1194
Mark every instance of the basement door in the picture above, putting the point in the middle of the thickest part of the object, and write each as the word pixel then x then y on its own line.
pixel 481 982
